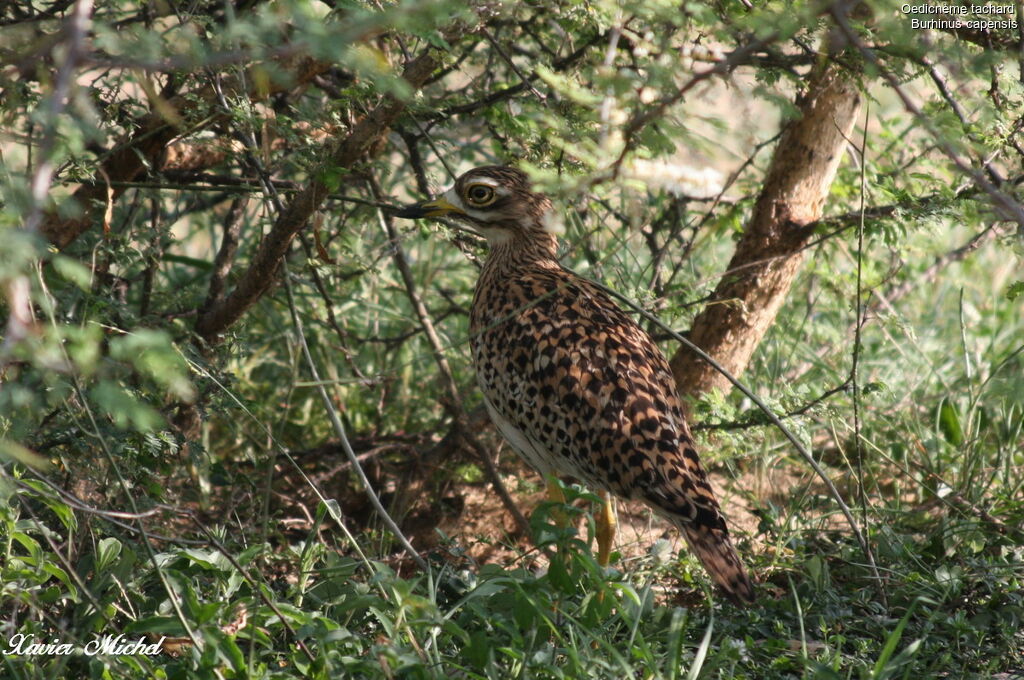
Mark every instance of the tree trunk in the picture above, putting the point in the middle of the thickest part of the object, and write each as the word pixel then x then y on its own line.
pixel 770 252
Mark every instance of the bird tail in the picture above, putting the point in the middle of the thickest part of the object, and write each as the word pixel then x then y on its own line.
pixel 714 549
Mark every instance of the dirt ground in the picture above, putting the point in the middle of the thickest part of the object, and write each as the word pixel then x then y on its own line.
pixel 448 517
pixel 485 529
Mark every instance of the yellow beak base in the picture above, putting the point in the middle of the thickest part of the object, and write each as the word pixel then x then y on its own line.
pixel 439 207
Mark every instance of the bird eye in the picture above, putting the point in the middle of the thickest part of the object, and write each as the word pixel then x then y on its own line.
pixel 480 194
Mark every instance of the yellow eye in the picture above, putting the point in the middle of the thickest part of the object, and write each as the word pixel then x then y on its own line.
pixel 480 194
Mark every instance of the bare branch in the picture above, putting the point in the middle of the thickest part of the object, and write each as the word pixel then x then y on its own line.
pixel 263 268
pixel 226 253
pixel 142 150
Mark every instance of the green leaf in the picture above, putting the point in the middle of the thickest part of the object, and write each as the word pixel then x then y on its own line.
pixel 949 423
pixel 190 261
pixel 207 559
pixel 124 409
pixel 107 552
pixel 72 270
pixel 883 669
pixel 332 507
pixel 163 625
pixel 1015 290
pixel 30 544
pixel 478 650
pixel 46 496
pixel 702 651
pixel 153 354
pixel 62 576
pixel 676 637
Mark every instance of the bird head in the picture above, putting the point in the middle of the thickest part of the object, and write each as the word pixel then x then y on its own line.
pixel 496 201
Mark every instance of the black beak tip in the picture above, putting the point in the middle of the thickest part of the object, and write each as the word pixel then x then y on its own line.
pixel 408 212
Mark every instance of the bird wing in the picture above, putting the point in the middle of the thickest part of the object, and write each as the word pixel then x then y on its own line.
pixel 587 388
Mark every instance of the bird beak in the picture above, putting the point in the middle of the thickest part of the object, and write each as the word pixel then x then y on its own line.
pixel 439 207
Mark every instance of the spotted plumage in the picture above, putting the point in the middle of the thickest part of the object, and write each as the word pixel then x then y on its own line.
pixel 573 384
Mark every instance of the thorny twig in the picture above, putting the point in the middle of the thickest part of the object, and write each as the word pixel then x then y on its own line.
pixel 275 200
pixel 1009 207
pixel 761 422
pixel 642 120
pixel 18 289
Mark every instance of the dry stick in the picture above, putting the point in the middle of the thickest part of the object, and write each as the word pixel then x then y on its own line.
pixel 64 561
pixel 859 324
pixel 152 258
pixel 755 422
pixel 795 187
pixel 833 491
pixel 955 255
pixel 849 221
pixel 139 151
pixel 433 145
pixel 114 517
pixel 224 184
pixel 887 300
pixel 302 473
pixel 270 259
pixel 225 257
pixel 715 203
pixel 332 319
pixel 275 200
pixel 77 28
pixel 457 407
pixel 55 549
pixel 172 595
pixel 339 430
pixel 255 281
pixel 248 141
pixel 508 60
pixel 499 95
pixel 641 120
pixel 329 406
pixel 940 83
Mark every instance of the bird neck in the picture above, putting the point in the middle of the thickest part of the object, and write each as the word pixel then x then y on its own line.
pixel 523 250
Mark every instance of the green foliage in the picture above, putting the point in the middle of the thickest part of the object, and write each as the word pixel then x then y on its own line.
pixel 156 482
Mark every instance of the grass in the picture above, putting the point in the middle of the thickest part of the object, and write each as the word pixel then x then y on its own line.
pixel 949 610
pixel 935 479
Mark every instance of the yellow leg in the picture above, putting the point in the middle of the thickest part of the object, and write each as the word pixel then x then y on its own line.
pixel 605 528
pixel 555 495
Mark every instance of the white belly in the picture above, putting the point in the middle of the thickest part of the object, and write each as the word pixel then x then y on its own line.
pixel 530 450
